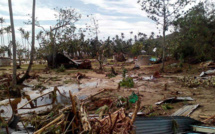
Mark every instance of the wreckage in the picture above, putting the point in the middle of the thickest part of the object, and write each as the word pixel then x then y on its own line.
pixel 74 118
pixel 67 62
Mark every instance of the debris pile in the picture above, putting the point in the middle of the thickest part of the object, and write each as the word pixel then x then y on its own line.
pixel 72 118
pixel 192 82
pixel 119 57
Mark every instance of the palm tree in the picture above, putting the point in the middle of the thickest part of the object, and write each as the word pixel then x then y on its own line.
pixel 8 31
pixel 131 34
pixel 135 38
pixel 22 31
pixel 122 35
pixel 26 36
pixel 1 34
pixel 13 42
pixel 2 20
pixel 39 37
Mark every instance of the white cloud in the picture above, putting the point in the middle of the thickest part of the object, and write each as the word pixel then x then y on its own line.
pixel 130 7
pixel 110 17
pixel 22 9
pixel 109 25
pixel 112 28
pixel 115 25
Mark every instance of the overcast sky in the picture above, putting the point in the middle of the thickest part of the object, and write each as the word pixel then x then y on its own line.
pixel 114 16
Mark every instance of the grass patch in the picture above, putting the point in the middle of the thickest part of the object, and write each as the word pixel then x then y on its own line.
pixel 166 107
pixel 61 69
pixel 39 86
pixel 69 81
pixel 111 75
pixel 76 71
pixel 153 114
pixel 55 79
pixel 127 82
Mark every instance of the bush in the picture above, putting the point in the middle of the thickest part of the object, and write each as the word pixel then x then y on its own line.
pixel 111 75
pixel 61 69
pixel 124 73
pixel 127 82
pixel 166 107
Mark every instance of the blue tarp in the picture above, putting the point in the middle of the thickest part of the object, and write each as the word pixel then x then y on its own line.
pixel 153 59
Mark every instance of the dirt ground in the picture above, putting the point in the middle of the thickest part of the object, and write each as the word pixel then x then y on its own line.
pixel 150 91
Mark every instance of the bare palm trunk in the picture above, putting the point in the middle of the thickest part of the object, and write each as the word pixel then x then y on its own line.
pixel 54 51
pixel 26 76
pixel 2 34
pixel 22 40
pixel 163 47
pixel 14 43
pixel 164 38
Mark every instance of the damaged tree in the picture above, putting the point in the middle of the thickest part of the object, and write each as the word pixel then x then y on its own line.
pixel 26 75
pixel 66 18
pixel 163 12
pixel 100 57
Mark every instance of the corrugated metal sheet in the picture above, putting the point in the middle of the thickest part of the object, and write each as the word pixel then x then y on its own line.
pixel 204 129
pixel 163 125
pixel 185 110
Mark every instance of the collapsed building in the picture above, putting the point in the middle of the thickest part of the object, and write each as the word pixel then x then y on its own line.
pixel 67 62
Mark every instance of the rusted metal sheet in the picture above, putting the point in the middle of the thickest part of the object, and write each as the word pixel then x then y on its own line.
pixel 186 110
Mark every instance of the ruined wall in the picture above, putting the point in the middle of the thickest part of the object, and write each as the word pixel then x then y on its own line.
pixel 5 62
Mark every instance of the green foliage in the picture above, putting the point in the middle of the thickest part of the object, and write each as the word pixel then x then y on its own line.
pixel 153 114
pixel 167 107
pixel 61 69
pixel 194 38
pixel 102 109
pixel 69 81
pixel 136 49
pixel 192 82
pixel 120 45
pixel 133 98
pixel 3 87
pixel 124 73
pixel 111 75
pixel 127 82
pixel 181 61
pixel 56 78
pixel 39 86
pixel 175 126
pixel 2 124
pixel 51 114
